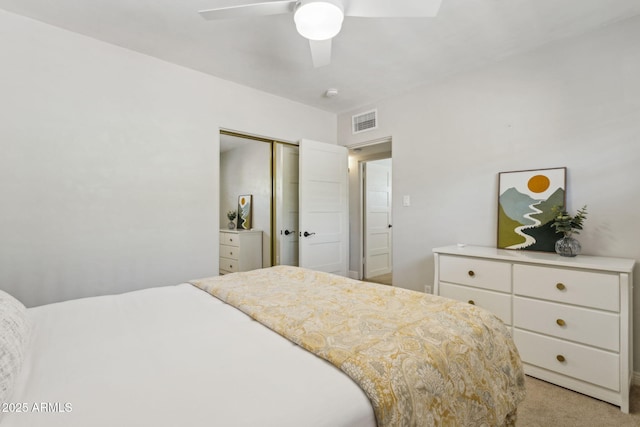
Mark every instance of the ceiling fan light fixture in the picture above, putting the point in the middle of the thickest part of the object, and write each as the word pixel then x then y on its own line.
pixel 319 19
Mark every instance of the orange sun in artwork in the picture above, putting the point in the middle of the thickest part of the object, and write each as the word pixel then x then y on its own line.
pixel 538 183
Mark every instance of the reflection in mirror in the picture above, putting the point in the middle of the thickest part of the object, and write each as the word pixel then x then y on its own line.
pixel 245 168
pixel 268 170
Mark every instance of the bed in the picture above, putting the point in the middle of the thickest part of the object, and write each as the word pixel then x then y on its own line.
pixel 282 346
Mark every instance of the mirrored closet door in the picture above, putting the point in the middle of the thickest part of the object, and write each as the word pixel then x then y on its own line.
pixel 268 171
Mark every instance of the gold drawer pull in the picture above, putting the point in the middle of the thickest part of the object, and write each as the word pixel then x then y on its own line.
pixel 561 322
pixel 561 286
pixel 471 273
pixel 230 253
pixel 472 302
pixel 560 358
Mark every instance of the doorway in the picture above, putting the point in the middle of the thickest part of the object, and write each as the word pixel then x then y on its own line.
pixel 370 172
pixel 377 221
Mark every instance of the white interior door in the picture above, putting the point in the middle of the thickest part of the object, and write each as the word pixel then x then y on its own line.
pixel 287 159
pixel 378 230
pixel 324 209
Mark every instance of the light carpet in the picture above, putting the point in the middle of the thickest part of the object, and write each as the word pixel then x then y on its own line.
pixel 548 405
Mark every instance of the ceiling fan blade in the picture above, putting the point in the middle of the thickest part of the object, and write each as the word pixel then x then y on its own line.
pixel 246 10
pixel 392 9
pixel 320 52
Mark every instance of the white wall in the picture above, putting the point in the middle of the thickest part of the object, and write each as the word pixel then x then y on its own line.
pixel 247 170
pixel 109 163
pixel 575 103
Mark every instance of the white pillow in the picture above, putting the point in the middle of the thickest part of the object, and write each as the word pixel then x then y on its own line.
pixel 15 329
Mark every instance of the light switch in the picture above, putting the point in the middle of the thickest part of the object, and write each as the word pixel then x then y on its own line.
pixel 406 200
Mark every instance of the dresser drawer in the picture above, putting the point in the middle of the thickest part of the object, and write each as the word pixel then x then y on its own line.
pixel 231 252
pixel 497 303
pixel 597 328
pixel 228 265
pixel 476 272
pixel 586 288
pixel 229 239
pixel 584 363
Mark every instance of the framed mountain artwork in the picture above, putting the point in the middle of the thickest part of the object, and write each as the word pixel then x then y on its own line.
pixel 525 208
pixel 244 211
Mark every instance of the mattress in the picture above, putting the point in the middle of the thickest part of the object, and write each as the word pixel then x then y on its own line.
pixel 421 359
pixel 173 356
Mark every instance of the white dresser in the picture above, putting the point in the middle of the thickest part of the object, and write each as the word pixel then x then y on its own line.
pixel 240 250
pixel 571 317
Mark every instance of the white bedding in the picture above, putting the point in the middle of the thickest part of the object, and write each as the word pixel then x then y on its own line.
pixel 173 356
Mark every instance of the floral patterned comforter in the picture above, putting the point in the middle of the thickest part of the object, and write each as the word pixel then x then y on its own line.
pixel 422 360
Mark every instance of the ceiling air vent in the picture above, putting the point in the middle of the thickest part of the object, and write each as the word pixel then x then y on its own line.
pixel 365 121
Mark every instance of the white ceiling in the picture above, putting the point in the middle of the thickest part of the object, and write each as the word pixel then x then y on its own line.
pixel 372 58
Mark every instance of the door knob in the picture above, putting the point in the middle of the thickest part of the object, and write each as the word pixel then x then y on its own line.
pixel 390 225
pixel 307 234
pixel 287 232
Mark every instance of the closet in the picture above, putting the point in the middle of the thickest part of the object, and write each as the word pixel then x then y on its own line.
pixel 267 170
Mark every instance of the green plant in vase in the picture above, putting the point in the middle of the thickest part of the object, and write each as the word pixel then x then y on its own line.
pixel 568 225
pixel 232 215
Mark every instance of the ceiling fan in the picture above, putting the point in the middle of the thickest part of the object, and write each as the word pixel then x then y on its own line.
pixel 321 20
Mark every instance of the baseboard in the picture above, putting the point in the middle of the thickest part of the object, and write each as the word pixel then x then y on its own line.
pixel 354 274
pixel 635 379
